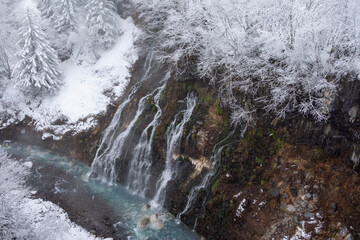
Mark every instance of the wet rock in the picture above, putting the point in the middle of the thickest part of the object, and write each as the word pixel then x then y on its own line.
pixel 303 204
pixel 349 237
pixel 343 231
pixel 93 175
pixel 315 197
pixel 311 206
pixel 293 192
pixel 290 209
pixel 158 225
pixel 274 193
pixel 154 218
pixel 145 207
pixel 353 113
pixel 308 216
pixel 144 222
pixel 333 208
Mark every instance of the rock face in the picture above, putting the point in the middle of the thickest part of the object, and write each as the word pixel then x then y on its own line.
pixel 298 177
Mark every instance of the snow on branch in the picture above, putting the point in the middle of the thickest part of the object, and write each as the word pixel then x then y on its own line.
pixel 288 55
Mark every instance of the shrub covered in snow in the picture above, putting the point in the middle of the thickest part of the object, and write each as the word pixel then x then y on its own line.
pixel 285 56
pixel 25 218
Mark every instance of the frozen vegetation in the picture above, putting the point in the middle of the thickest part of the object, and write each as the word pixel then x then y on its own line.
pixel 68 64
pixel 23 217
pixel 285 57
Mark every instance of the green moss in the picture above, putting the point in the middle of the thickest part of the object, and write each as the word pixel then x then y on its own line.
pixel 262 182
pixel 219 111
pixel 206 99
pixel 226 122
pixel 258 160
pixel 215 185
pixel 279 143
pixel 316 154
pixel 188 87
pixel 252 177
pixel 258 133
pixel 211 202
pixel 228 152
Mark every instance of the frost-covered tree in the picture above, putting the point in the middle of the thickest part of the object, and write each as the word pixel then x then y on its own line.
pixel 8 22
pixel 13 224
pixel 5 69
pixel 46 7
pixel 103 22
pixel 286 57
pixel 38 64
pixel 64 16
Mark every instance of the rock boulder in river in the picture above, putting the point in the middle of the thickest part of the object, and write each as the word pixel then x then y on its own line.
pixel 144 222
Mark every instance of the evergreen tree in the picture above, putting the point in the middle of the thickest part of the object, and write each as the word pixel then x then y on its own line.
pixel 102 22
pixel 38 65
pixel 64 16
pixel 46 8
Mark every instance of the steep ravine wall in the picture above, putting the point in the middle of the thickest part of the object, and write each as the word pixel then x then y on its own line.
pixel 281 178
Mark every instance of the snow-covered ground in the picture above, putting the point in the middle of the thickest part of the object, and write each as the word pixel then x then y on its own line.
pixel 24 217
pixel 51 220
pixel 92 81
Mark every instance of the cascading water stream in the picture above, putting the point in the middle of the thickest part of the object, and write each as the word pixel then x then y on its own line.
pixel 107 160
pixel 215 161
pixel 111 144
pixel 205 183
pixel 139 171
pixel 173 137
pixel 101 163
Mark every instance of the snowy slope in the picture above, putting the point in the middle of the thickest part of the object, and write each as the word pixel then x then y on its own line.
pixel 93 79
pixel 51 220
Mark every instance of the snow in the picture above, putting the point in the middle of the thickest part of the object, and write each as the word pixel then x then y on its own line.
pixel 241 208
pixel 52 220
pixel 31 218
pixel 300 234
pixel 86 83
pixel 93 80
pixel 28 164
pixel 238 194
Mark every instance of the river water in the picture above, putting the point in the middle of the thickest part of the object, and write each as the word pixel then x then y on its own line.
pixel 129 208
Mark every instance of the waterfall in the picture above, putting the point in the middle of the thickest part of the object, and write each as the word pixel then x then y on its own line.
pixel 173 137
pixel 215 161
pixel 103 162
pixel 206 181
pixel 139 171
pixel 112 142
pixel 115 145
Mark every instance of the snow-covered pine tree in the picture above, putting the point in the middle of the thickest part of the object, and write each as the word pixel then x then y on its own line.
pixel 38 64
pixel 64 16
pixel 46 8
pixel 102 22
